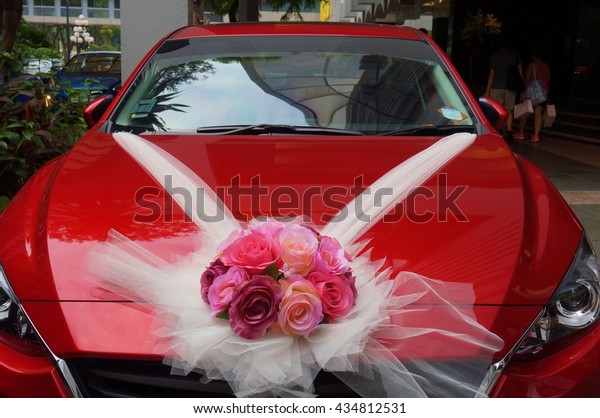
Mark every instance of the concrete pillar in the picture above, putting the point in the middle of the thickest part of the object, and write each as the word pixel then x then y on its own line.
pixel 145 22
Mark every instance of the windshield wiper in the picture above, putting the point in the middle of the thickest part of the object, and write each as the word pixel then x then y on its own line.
pixel 430 130
pixel 261 129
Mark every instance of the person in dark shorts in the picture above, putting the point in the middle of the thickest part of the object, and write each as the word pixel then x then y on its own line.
pixel 506 69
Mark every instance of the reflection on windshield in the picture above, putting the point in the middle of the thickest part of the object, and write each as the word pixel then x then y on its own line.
pixel 330 87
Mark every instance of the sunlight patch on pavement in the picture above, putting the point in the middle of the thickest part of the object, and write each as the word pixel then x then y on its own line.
pixel 581 197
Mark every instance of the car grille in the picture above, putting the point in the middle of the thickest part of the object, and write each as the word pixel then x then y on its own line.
pixel 99 378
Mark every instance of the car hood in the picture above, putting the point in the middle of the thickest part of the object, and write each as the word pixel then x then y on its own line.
pixel 466 224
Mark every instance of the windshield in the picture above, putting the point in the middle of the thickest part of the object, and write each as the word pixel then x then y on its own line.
pixel 94 63
pixel 366 85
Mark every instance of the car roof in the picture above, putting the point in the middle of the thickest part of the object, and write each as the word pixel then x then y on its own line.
pixel 35 60
pixel 300 28
pixel 99 53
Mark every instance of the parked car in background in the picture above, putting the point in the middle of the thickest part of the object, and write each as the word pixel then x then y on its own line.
pixel 42 66
pixel 98 72
pixel 37 66
pixel 138 264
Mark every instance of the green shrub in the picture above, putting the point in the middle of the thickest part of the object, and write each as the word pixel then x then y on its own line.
pixel 35 127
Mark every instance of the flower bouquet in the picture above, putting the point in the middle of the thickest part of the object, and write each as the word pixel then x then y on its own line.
pixel 279 278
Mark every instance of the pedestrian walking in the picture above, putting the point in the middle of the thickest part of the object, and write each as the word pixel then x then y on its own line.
pixel 505 80
pixel 537 80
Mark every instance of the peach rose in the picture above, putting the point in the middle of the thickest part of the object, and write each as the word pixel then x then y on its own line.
pixel 300 310
pixel 298 247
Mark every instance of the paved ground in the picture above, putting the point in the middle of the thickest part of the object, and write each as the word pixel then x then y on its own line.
pixel 574 168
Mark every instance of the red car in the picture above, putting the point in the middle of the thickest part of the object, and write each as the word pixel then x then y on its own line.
pixel 271 208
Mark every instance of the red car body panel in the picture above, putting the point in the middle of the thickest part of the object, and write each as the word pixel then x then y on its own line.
pixel 28 376
pixel 332 29
pixel 77 221
pixel 504 228
pixel 109 203
pixel 571 372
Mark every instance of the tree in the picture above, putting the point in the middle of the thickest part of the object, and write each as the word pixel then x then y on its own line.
pixel 32 42
pixel 109 37
pixel 293 8
pixel 11 12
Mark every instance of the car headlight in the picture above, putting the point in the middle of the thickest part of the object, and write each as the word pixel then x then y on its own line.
pixel 573 310
pixel 16 329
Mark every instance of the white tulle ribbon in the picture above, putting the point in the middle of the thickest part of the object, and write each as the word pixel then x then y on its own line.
pixel 168 171
pixel 364 211
pixel 361 348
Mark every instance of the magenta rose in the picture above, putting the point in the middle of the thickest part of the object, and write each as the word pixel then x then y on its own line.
pixel 351 282
pixel 300 310
pixel 254 306
pixel 298 247
pixel 331 257
pixel 221 291
pixel 253 251
pixel 215 269
pixel 337 293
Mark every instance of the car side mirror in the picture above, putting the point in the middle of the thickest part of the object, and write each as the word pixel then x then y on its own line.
pixel 494 112
pixel 94 111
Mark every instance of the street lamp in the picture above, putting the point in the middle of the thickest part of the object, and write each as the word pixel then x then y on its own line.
pixel 67 52
pixel 81 37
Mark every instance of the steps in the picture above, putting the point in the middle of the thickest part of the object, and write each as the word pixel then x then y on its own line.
pixel 576 124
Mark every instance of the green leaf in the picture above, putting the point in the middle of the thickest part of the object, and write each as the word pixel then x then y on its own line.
pixel 37 141
pixel 11 136
pixel 15 125
pixel 271 270
pixel 3 202
pixel 21 170
pixel 3 145
pixel 223 315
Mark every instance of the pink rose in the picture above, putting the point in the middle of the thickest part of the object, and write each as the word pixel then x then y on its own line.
pixel 254 306
pixel 215 269
pixel 231 238
pixel 298 247
pixel 331 257
pixel 221 291
pixel 269 228
pixel 337 293
pixel 253 251
pixel 300 310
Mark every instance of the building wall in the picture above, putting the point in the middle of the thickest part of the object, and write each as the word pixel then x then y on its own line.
pixel 145 22
pixel 55 13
